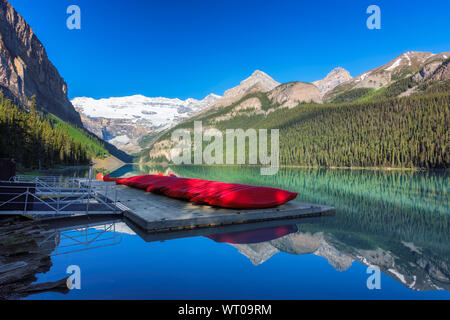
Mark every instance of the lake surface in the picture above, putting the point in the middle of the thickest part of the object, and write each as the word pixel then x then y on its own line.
pixel 396 221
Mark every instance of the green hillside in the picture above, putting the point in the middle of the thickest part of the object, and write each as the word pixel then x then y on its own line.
pixel 94 147
pixel 373 131
pixel 38 140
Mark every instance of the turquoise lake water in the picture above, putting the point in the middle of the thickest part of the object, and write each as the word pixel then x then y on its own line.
pixel 398 222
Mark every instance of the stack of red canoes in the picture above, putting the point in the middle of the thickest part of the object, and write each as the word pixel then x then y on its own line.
pixel 220 194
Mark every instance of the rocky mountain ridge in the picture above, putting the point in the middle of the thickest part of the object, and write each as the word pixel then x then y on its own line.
pixel 290 94
pixel 259 95
pixel 258 81
pixel 336 77
pixel 133 118
pixel 25 69
pixel 408 64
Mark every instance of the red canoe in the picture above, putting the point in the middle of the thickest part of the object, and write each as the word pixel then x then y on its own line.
pixel 220 194
pixel 107 178
pixel 254 236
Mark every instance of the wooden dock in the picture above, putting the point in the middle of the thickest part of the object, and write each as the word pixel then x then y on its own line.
pixel 207 231
pixel 156 213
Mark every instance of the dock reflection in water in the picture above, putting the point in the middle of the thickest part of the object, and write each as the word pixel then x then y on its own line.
pixel 40 245
pixel 27 248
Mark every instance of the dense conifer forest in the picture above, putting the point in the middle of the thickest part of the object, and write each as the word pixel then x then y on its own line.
pixel 379 131
pixel 37 140
pixel 406 132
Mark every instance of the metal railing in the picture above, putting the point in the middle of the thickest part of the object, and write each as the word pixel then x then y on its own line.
pixel 87 238
pixel 82 237
pixel 48 181
pixel 55 196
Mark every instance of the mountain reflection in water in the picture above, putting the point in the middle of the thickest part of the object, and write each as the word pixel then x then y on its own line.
pixel 412 266
pixel 398 221
pixel 254 236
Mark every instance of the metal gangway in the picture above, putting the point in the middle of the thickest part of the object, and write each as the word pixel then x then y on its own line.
pixel 54 196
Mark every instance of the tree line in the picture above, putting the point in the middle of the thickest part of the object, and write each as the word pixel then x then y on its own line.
pixel 408 132
pixel 34 141
pixel 411 132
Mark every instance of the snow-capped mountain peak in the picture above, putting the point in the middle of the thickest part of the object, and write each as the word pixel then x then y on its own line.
pixel 157 111
pixel 124 120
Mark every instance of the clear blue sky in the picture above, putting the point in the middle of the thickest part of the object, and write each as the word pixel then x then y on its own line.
pixel 189 48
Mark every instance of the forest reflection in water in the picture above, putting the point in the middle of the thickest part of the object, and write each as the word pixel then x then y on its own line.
pixel 398 221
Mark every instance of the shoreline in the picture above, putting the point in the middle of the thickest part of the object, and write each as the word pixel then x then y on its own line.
pixel 112 163
pixel 119 165
pixel 305 167
pixel 57 169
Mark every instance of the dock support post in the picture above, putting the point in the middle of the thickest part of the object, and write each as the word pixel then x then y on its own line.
pixel 26 201
pixel 115 199
pixel 88 198
pixel 57 202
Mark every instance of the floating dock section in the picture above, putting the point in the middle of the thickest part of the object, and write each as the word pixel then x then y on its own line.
pixel 156 213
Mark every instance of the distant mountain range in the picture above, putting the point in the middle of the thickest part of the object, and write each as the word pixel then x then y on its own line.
pixel 421 64
pixel 321 132
pixel 128 122
pixel 124 121
pixel 134 123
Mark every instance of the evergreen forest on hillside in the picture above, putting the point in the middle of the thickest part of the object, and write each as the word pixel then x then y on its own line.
pixel 37 140
pixel 407 132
